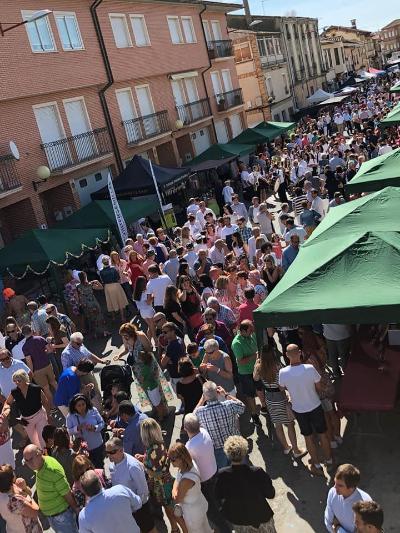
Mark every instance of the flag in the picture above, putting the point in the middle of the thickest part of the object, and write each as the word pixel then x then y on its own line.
pixel 123 230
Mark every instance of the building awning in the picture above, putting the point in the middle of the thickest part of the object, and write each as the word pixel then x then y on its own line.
pixel 183 75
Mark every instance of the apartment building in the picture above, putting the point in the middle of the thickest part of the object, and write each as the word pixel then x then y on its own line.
pixel 334 58
pixel 85 88
pixel 359 46
pixel 262 69
pixel 390 38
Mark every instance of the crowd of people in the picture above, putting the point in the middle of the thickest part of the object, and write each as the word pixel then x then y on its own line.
pixel 185 302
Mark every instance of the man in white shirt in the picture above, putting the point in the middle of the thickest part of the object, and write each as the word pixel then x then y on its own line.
pixel 218 252
pixel 201 449
pixel 201 213
pixel 302 382
pixel 156 286
pixel 227 192
pixel 317 203
pixel 228 230
pixel 252 243
pixel 193 206
pixel 384 148
pixel 193 225
pixel 338 120
pixel 239 208
pixel 339 516
pixel 291 229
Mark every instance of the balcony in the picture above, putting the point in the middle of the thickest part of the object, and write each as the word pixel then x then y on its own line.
pixel 230 99
pixel 142 128
pixel 194 111
pixel 220 49
pixel 8 174
pixel 267 61
pixel 77 150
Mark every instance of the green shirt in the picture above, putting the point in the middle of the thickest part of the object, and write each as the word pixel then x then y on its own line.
pixel 244 347
pixel 51 487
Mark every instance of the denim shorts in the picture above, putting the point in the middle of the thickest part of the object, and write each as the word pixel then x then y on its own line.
pixel 64 522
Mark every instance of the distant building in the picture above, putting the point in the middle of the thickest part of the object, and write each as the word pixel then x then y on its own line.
pixel 334 55
pixel 390 38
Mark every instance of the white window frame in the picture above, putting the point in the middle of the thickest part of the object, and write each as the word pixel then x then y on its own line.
pixel 128 33
pixel 69 14
pixel 146 32
pixel 142 86
pixel 212 29
pixel 55 105
pixel 75 99
pixel 176 18
pixel 124 90
pixel 190 20
pixel 27 13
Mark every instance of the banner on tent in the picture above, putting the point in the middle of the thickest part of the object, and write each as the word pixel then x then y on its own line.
pixel 123 230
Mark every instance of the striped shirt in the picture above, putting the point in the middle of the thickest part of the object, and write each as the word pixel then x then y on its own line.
pixel 51 487
pixel 297 207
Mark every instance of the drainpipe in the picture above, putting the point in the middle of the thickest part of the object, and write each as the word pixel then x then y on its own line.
pixel 208 68
pixel 109 83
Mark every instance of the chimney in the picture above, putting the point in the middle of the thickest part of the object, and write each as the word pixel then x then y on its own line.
pixel 247 13
pixel 353 23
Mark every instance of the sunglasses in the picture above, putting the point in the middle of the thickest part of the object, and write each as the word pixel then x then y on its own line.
pixel 111 452
pixel 78 343
pixel 11 330
pixel 49 311
pixel 210 352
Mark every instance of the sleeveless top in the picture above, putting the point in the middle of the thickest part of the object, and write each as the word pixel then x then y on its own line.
pixel 226 383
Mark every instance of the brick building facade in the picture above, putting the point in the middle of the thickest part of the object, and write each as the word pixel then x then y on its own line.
pixel 167 73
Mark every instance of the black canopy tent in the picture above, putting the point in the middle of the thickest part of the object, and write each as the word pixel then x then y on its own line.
pixel 136 180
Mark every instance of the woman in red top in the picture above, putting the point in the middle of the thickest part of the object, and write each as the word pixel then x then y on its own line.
pixel 135 267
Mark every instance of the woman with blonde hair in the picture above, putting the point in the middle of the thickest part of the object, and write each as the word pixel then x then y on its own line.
pixel 190 502
pixel 122 267
pixel 224 292
pixel 157 465
pixel 267 369
pixel 33 405
pixel 135 344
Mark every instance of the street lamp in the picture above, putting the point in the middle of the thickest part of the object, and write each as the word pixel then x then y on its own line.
pixel 43 173
pixel 35 16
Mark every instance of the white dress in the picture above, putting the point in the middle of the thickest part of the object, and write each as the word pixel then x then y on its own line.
pixel 194 505
pixel 146 310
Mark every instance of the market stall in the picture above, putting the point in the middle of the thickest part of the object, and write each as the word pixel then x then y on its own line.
pixel 377 173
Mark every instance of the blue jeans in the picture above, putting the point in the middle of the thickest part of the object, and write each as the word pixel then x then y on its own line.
pixel 64 522
pixel 220 458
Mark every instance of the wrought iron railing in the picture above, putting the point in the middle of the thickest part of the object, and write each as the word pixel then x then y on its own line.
pixel 220 48
pixel 9 179
pixel 193 111
pixel 78 149
pixel 229 99
pixel 141 128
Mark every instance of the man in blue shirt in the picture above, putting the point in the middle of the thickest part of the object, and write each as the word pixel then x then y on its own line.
pixel 69 384
pixel 131 417
pixel 107 510
pixel 339 516
pixel 290 252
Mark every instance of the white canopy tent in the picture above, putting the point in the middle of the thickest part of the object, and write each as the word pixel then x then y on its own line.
pixel 319 96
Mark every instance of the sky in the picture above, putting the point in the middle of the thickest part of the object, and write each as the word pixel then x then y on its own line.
pixel 371 15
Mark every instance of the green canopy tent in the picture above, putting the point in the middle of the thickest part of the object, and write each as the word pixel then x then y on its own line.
pixel 100 213
pixel 349 279
pixel 377 173
pixel 274 129
pixel 392 118
pixel 222 151
pixel 249 136
pixel 395 88
pixel 377 211
pixel 39 249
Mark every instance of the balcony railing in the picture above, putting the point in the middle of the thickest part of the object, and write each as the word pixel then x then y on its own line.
pixel 272 60
pixel 78 149
pixel 8 174
pixel 230 99
pixel 141 128
pixel 193 111
pixel 220 49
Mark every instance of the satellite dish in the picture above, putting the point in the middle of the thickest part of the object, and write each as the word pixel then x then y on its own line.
pixel 14 150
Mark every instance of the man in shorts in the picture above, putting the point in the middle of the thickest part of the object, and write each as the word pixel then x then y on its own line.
pixel 302 382
pixel 37 358
pixel 244 348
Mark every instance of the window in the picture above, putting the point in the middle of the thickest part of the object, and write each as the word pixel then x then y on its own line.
pixel 83 183
pixel 175 30
pixel 285 83
pixel 139 29
pixel 98 176
pixel 242 52
pixel 188 30
pixel 68 30
pixel 278 50
pixel 120 30
pixel 39 33
pixel 261 47
pixel 337 58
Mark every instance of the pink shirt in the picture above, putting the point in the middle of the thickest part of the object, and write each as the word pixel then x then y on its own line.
pixel 246 311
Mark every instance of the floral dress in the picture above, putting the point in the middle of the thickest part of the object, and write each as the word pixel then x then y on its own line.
pixel 91 308
pixel 16 503
pixel 160 481
pixel 71 296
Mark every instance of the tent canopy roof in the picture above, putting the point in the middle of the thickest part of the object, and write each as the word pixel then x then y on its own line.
pixel 319 96
pixel 222 151
pixel 342 280
pixel 377 173
pixel 395 88
pixel 38 249
pixel 334 100
pixel 375 212
pixel 393 117
pixel 100 213
pixel 136 179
